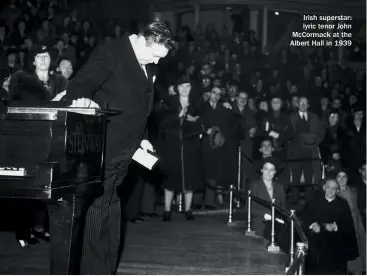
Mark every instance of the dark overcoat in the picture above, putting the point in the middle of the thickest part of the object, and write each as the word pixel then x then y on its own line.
pixel 356 146
pixel 220 164
pixel 277 123
pixel 295 148
pixel 180 147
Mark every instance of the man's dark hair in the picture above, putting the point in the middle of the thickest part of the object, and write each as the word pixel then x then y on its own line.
pixel 62 59
pixel 158 32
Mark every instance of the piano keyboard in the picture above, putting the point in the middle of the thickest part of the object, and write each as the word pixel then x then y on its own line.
pixel 12 171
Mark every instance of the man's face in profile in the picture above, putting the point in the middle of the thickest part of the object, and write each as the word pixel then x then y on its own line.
pixel 152 53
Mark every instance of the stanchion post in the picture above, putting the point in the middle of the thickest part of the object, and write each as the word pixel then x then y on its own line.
pixel 323 174
pixel 239 175
pixel 180 207
pixel 301 250
pixel 230 211
pixel 291 246
pixel 273 247
pixel 291 249
pixel 249 232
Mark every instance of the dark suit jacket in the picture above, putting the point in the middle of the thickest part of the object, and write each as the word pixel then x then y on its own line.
pixel 295 144
pixel 113 75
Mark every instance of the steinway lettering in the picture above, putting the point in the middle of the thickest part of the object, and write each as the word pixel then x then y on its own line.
pixel 85 143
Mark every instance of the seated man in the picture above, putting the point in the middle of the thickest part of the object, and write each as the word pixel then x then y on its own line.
pixel 329 228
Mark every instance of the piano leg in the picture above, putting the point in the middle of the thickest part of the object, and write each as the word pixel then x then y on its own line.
pixel 61 216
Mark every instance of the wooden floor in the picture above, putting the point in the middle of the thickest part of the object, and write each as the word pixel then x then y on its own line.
pixel 204 246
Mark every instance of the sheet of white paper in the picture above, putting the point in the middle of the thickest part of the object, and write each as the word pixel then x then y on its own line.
pixel 145 158
pixel 268 217
pixel 267 126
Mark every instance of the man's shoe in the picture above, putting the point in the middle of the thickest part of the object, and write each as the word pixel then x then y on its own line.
pixel 189 215
pixel 150 215
pixel 166 216
pixel 137 220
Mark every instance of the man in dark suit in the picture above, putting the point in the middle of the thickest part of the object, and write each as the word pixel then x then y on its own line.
pixel 117 73
pixel 248 124
pixel 305 132
pixel 328 225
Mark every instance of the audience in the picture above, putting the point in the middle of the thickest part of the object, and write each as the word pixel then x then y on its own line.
pixel 299 105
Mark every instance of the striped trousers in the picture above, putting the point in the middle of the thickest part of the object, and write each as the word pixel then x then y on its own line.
pixel 104 224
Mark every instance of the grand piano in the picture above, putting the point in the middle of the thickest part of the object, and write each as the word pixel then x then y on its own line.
pixel 54 154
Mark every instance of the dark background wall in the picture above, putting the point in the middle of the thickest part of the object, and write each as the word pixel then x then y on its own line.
pixel 121 10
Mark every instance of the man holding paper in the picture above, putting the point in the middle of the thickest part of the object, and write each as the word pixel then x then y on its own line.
pixel 117 74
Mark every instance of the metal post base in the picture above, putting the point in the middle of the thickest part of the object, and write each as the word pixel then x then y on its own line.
pixel 236 223
pixel 216 212
pixel 273 249
pixel 250 233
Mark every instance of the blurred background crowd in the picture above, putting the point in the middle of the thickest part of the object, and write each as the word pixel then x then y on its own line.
pixel 222 104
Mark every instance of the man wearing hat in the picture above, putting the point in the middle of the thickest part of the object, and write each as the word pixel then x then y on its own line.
pixel 305 133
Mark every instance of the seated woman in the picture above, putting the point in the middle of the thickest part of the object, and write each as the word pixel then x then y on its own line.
pixel 180 157
pixel 357 266
pixel 267 189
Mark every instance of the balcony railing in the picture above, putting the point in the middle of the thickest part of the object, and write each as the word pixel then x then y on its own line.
pixel 298 251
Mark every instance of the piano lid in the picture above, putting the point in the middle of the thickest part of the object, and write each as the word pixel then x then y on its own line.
pixel 49 110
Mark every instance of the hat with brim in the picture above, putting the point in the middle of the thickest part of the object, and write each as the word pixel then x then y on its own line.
pixel 216 138
pixel 357 107
pixel 41 49
pixel 309 140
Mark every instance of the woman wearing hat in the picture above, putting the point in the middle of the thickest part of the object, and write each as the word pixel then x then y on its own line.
pixel 356 140
pixel 335 136
pixel 180 158
pixel 357 266
pixel 266 188
pixel 41 85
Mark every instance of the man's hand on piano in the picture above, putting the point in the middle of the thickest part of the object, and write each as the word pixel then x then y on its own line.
pixel 84 103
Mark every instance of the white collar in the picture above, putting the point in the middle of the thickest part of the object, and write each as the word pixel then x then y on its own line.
pixel 133 38
pixel 329 200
